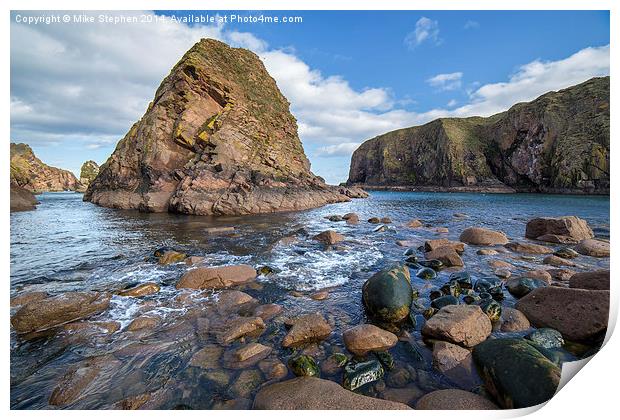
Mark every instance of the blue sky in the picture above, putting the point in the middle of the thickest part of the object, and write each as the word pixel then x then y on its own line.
pixel 348 75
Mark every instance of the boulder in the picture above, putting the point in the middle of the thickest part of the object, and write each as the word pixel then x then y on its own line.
pixel 319 295
pixel 433 244
pixel 526 248
pixel 307 329
pixel 447 356
pixel 172 257
pixel 267 311
pixel 216 277
pixel 459 324
pixel 387 295
pixel 193 260
pixel 561 274
pixel 513 320
pixel 273 369
pixel 566 253
pixel 357 374
pixel 40 315
pixel 539 275
pixel 208 357
pixel 254 351
pixel 329 237
pixel 454 399
pixel 592 280
pixel 415 223
pixel 521 286
pixel 365 338
pixel 564 227
pixel 546 338
pixel 447 255
pixel 238 327
pixel 593 248
pixel 309 393
pixel 482 236
pixel 578 314
pixel 556 261
pixel 515 373
pixel 229 301
pixel 140 290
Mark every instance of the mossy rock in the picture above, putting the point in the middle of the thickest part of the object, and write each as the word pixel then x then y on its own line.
pixel 359 374
pixel 515 372
pixel 388 295
pixel 304 366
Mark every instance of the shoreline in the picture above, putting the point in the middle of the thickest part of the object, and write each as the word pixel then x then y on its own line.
pixel 473 189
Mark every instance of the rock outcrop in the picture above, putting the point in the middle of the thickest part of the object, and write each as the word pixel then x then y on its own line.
pixel 28 172
pixel 88 172
pixel 218 139
pixel 22 199
pixel 557 143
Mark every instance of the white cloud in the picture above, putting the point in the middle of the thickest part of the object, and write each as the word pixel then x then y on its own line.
pixel 425 30
pixel 446 81
pixel 471 24
pixel 342 149
pixel 452 102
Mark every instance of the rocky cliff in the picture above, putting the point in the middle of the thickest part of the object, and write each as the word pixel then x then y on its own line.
pixel 28 172
pixel 22 199
pixel 88 172
pixel 217 139
pixel 558 143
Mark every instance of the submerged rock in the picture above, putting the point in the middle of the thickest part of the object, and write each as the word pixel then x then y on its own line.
pixel 365 338
pixel 459 324
pixel 515 372
pixel 307 329
pixel 308 393
pixel 482 236
pixel 304 366
pixel 216 277
pixel 172 257
pixel 576 313
pixel 238 327
pixel 143 289
pixel 54 311
pixel 454 399
pixel 387 295
pixel 329 237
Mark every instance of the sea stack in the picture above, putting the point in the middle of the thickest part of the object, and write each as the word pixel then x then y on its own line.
pixel 218 139
pixel 88 172
pixel 558 143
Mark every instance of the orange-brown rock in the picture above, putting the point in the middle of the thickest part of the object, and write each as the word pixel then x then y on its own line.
pixel 216 277
pixel 365 338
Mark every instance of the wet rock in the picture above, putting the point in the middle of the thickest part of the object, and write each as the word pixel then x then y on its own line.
pixel 273 369
pixel 516 373
pixel 447 356
pixel 502 273
pixel 454 399
pixel 220 377
pixel 556 239
pixel 109 327
pixel 267 311
pixel 387 295
pixel 463 279
pixel 374 220
pixel 334 364
pixel 499 264
pixel 399 377
pixel 385 220
pixel 433 244
pixel 566 253
pixel 487 251
pixel 442 301
pixel 415 223
pixel 304 365
pixel 219 229
pixel 42 314
pixel 447 255
pixel 239 327
pixel 351 218
pixel 459 324
pixel 592 280
pixel 140 290
pixel 568 227
pixel 252 351
pixel 319 295
pixel 217 277
pixel 491 308
pixel 381 228
pixel 558 262
pixel 440 230
pixel 358 374
pixel 329 237
pixel 539 275
pixel 365 338
pixel 526 248
pixel 171 257
pixel 408 395
pixel 521 286
pixel 193 260
pixel 426 273
pixel 434 264
pixel 309 393
pixel 334 218
pixel 229 301
pixel 578 314
pixel 208 357
pixel 246 383
pixel 561 274
pixel 307 329
pixel 28 297
pixel 482 236
pixel 547 338
pixel 143 323
pixel 593 248
pixel 513 320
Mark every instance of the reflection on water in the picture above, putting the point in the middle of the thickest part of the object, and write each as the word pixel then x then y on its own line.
pixel 67 244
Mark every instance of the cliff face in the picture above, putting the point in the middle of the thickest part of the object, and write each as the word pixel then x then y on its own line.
pixel 556 143
pixel 28 172
pixel 88 172
pixel 218 138
pixel 22 199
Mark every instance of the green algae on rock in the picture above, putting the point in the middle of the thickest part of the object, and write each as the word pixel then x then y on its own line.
pixel 387 295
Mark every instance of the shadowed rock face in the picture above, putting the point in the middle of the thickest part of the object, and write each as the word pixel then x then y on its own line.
pixel 22 199
pixel 28 172
pixel 217 139
pixel 556 143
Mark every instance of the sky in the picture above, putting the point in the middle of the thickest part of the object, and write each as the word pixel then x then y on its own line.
pixel 76 88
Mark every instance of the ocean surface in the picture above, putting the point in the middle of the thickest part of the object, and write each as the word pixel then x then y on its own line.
pixel 68 245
